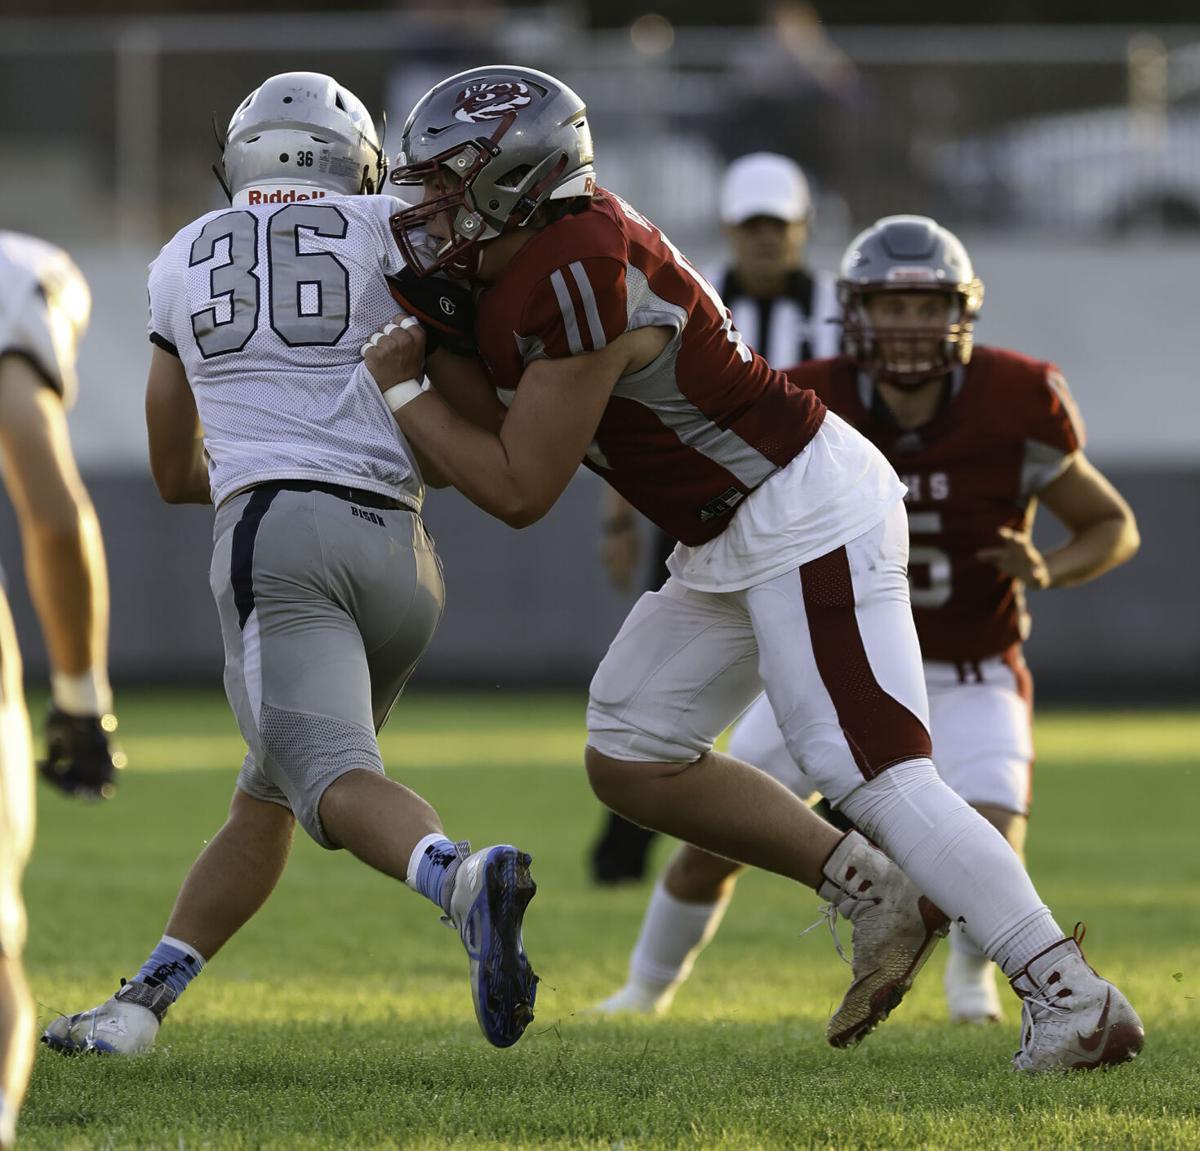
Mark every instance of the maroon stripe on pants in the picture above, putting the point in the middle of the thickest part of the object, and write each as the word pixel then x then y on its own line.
pixel 880 730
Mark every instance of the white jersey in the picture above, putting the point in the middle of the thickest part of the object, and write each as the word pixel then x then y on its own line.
pixel 44 308
pixel 267 305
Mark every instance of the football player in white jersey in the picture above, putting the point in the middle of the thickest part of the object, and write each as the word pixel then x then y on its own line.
pixel 44 310
pixel 44 307
pixel 326 583
pixel 16 839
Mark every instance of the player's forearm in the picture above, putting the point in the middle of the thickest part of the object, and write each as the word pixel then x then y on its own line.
pixel 68 584
pixel 1092 551
pixel 474 461
pixel 462 384
pixel 431 475
pixel 182 478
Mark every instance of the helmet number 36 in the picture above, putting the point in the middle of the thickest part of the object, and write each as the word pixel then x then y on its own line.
pixel 308 292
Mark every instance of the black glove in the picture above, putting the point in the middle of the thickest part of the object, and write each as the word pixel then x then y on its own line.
pixel 445 307
pixel 82 758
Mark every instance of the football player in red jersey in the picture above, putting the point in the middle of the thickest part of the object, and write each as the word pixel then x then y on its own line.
pixel 980 437
pixel 599 342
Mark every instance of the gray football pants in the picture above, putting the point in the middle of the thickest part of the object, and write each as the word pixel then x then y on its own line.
pixel 325 607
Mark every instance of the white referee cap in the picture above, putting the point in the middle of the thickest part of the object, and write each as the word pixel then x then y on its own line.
pixel 764 184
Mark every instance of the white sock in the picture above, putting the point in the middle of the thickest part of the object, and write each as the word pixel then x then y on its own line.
pixel 964 945
pixel 673 934
pixel 187 949
pixel 418 853
pixel 8 1123
pixel 86 694
pixel 956 858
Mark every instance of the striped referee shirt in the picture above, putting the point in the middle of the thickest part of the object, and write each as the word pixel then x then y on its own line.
pixel 799 324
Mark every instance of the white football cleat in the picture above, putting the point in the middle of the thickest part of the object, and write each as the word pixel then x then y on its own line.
pixel 895 931
pixel 970 983
pixel 126 1024
pixel 1071 1019
pixel 633 1000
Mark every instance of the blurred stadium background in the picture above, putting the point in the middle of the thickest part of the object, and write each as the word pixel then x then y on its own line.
pixel 1066 154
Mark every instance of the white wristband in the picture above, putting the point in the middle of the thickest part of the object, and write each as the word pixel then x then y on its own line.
pixel 403 393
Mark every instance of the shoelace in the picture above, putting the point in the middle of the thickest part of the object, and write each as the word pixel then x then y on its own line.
pixel 90 1043
pixel 1028 1022
pixel 1034 1000
pixel 829 915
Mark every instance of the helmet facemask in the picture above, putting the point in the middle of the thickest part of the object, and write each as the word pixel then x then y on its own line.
pixel 445 181
pixel 908 355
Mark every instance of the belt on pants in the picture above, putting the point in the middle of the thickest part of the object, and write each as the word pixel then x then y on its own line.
pixel 340 491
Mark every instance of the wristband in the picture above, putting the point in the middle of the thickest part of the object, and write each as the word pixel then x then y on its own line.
pixel 403 393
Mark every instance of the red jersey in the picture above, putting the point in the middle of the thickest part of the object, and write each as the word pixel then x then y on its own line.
pixel 1005 432
pixel 684 439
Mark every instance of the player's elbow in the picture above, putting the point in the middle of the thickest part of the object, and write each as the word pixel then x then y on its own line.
pixel 521 515
pixel 1130 540
pixel 512 502
pixel 520 509
pixel 1117 538
pixel 172 487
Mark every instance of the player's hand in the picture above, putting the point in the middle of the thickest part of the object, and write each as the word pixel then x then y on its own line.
pixel 445 308
pixel 395 353
pixel 1017 557
pixel 82 758
pixel 620 549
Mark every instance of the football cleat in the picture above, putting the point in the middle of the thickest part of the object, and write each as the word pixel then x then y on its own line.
pixel 971 995
pixel 126 1024
pixel 82 758
pixel 492 888
pixel 1071 1019
pixel 631 1000
pixel 895 929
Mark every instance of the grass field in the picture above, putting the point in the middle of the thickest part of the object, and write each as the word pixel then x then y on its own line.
pixel 341 1018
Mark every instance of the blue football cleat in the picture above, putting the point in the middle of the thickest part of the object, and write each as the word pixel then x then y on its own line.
pixel 492 888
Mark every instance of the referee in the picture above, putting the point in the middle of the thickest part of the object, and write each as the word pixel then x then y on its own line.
pixel 786 312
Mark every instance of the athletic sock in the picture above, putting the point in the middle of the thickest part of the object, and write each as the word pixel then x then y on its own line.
pixel 673 933
pixel 956 858
pixel 964 945
pixel 86 694
pixel 172 962
pixel 432 865
pixel 7 1122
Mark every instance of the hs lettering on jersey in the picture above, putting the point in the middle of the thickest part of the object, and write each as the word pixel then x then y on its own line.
pixel 363 514
pixel 935 486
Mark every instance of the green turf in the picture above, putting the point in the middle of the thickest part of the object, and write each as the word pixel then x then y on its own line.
pixel 340 1017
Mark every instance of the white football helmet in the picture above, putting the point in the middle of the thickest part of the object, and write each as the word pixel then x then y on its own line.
pixel 305 129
